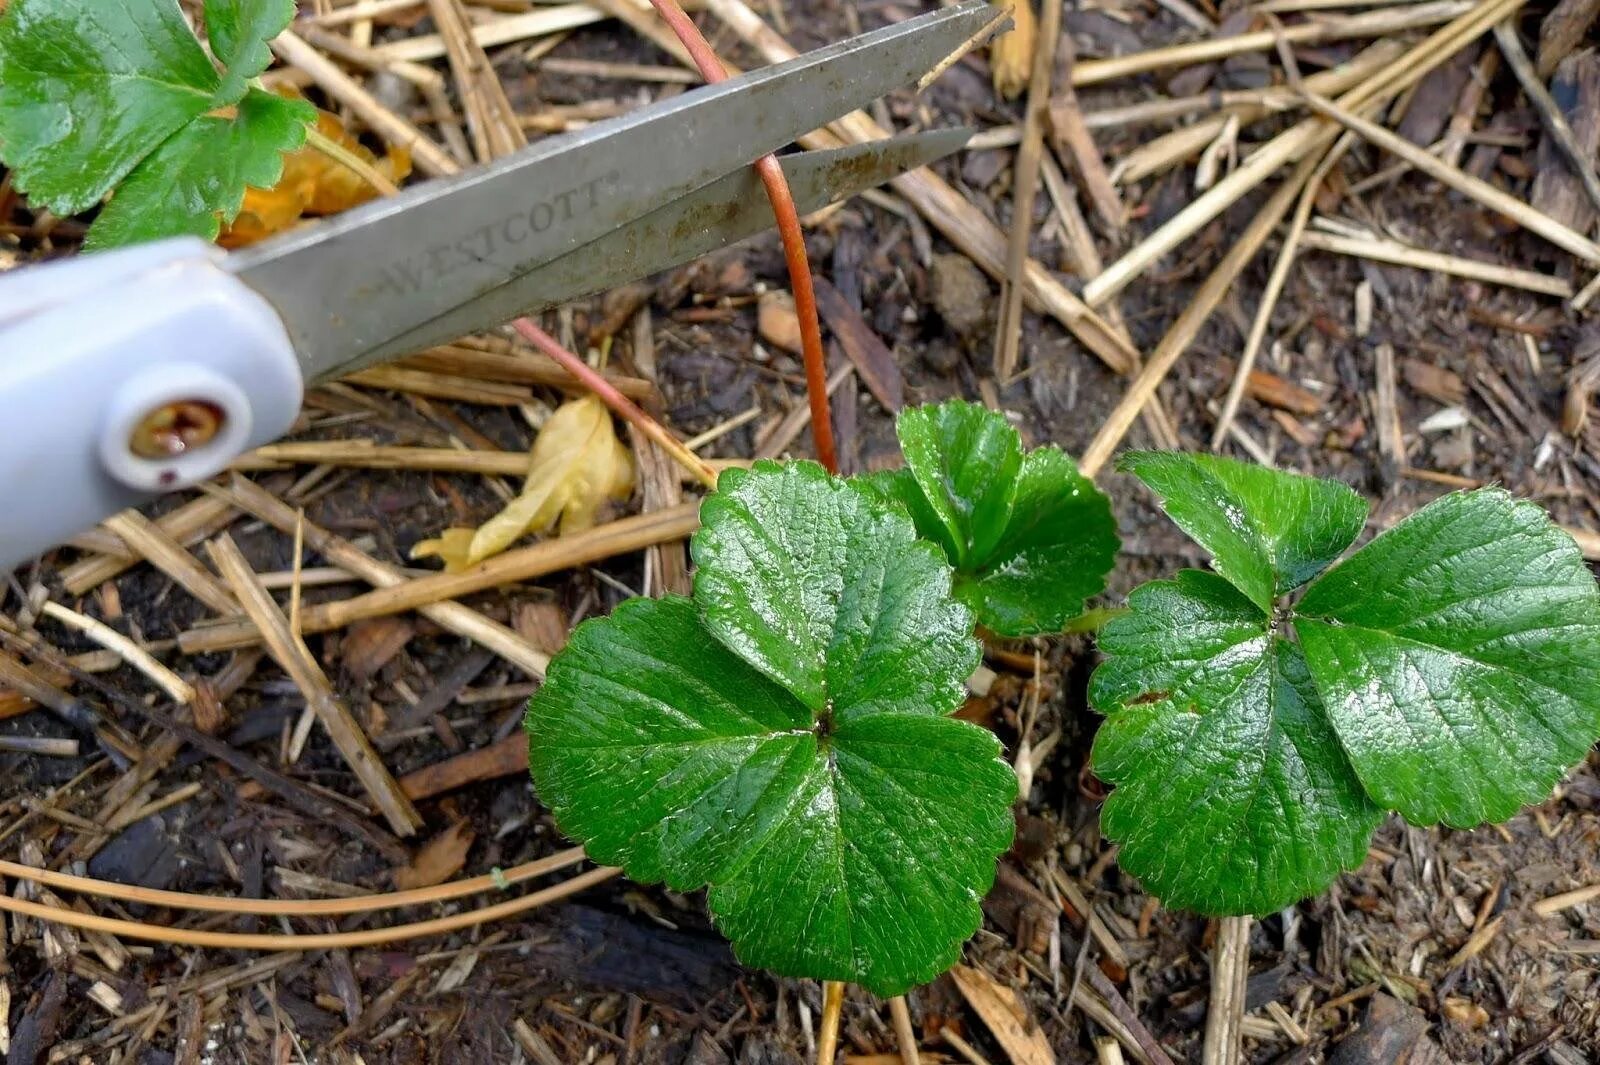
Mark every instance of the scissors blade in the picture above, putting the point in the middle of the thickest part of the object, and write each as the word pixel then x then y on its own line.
pixel 355 282
pixel 727 210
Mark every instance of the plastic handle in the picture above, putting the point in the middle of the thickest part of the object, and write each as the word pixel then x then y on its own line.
pixel 92 347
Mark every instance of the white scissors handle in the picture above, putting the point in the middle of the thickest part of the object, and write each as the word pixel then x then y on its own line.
pixel 125 375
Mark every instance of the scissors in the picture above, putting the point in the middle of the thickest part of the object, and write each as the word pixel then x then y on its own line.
pixel 96 349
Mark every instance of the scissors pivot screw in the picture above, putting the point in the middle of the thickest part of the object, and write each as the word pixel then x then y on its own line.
pixel 176 428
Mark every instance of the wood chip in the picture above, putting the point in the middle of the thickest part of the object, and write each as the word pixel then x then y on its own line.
pixel 439 859
pixel 1005 1015
pixel 368 646
pixel 872 357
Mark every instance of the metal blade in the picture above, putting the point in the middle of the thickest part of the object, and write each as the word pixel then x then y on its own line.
pixel 716 216
pixel 351 284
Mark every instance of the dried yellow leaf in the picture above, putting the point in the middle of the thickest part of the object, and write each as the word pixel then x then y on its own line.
pixel 312 184
pixel 577 463
pixel 1011 53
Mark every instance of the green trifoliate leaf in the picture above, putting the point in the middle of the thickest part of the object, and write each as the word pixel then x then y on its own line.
pixel 1029 536
pixel 1268 531
pixel 96 92
pixel 781 737
pixel 198 176
pixel 1459 657
pixel 1232 793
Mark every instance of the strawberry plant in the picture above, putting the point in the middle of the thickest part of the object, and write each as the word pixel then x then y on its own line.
pixel 1257 732
pixel 783 737
pixel 121 99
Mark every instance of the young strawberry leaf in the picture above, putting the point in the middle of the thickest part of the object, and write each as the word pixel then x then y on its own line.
pixel 102 95
pixel 1449 670
pixel 1459 656
pixel 199 172
pixel 1211 716
pixel 783 737
pixel 1268 532
pixel 1030 537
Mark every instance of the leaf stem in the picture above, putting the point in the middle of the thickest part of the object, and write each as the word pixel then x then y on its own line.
pixel 619 403
pixel 828 1033
pixel 794 243
pixel 350 161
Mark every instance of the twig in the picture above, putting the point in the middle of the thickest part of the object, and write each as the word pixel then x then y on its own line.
pixel 431 159
pixel 553 18
pixel 521 367
pixel 900 1014
pixel 1566 900
pixel 321 941
pixel 1024 187
pixel 1230 967
pixel 502 758
pixel 962 1047
pixel 396 594
pixel 828 1031
pixel 491 120
pixel 1070 135
pixel 168 556
pixel 1473 188
pixel 334 907
pixel 179 689
pixel 1170 149
pixel 1001 14
pixel 292 655
pixel 197 518
pixel 629 411
pixel 794 243
pixel 1392 251
pixel 292 792
pixel 367 455
pixel 454 617
pixel 1269 295
pixel 1184 330
pixel 1555 123
pixel 1368 24
pixel 1307 136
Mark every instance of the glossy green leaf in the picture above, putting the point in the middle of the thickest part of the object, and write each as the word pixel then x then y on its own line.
pixel 1459 656
pixel 95 91
pixel 831 594
pixel 782 737
pixel 1268 531
pixel 1029 536
pixel 1232 793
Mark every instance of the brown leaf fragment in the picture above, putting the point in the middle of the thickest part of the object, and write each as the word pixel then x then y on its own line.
pixel 437 860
